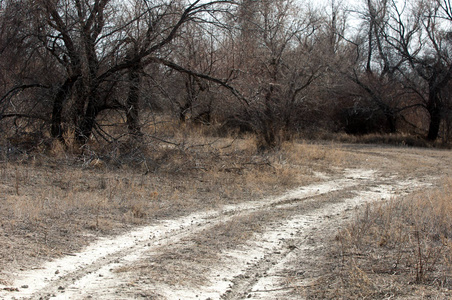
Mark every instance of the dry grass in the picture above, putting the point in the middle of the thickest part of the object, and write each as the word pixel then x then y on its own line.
pixel 397 249
pixel 56 201
pixel 397 139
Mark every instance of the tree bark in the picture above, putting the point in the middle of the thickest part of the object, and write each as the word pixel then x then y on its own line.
pixel 56 130
pixel 434 109
pixel 436 83
pixel 133 101
pixel 86 126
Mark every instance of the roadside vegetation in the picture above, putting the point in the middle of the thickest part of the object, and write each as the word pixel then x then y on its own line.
pixel 56 200
pixel 397 249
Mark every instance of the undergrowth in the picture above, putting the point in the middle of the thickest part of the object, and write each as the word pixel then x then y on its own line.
pixel 397 247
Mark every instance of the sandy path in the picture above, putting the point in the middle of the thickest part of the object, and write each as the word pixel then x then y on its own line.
pixel 252 270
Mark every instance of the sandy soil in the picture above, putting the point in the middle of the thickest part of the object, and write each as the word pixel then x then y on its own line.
pixel 265 249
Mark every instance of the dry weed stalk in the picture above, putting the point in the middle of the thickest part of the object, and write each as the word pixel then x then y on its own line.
pixel 405 240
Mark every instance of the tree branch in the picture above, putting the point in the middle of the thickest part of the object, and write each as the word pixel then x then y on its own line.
pixel 223 83
pixel 4 116
pixel 21 88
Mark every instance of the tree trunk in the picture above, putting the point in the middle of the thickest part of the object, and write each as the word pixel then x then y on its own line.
pixel 435 122
pixel 390 115
pixel 85 129
pixel 391 123
pixel 267 121
pixel 56 130
pixel 132 106
pixel 434 107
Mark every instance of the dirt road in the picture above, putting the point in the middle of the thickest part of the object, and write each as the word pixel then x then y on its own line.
pixel 248 250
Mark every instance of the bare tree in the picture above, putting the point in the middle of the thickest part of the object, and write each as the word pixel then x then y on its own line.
pixel 97 44
pixel 196 51
pixel 378 82
pixel 417 35
pixel 275 65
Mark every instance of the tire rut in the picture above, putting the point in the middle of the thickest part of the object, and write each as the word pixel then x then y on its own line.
pixel 265 279
pixel 74 276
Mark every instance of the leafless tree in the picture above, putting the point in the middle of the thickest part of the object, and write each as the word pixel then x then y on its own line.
pixel 273 55
pixel 270 65
pixel 416 33
pixel 97 44
pixel 376 77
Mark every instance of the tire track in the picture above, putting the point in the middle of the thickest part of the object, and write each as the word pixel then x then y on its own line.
pixel 266 279
pixel 249 271
pixel 91 271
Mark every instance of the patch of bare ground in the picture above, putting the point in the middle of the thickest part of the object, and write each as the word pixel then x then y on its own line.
pixel 214 221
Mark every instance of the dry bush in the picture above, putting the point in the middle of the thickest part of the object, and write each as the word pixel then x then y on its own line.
pixel 395 248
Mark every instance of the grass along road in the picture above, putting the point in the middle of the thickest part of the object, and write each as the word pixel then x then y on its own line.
pixel 250 258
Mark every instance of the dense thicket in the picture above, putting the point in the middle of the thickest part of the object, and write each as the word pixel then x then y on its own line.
pixel 273 68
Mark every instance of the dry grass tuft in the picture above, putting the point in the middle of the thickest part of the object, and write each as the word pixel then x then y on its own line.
pixel 320 157
pixel 404 242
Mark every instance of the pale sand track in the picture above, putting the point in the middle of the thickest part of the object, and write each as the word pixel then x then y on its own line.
pixel 255 270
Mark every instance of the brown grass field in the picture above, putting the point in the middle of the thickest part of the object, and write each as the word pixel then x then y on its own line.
pixel 55 202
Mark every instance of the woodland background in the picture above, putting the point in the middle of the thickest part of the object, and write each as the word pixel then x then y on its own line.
pixel 116 73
